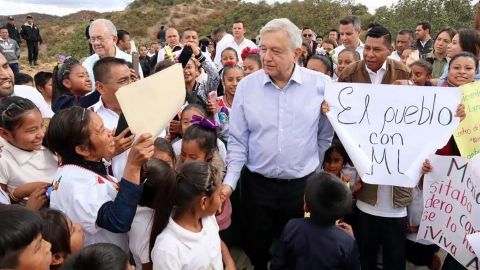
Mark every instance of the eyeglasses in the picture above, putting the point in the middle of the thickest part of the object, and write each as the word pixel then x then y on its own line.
pixel 307 35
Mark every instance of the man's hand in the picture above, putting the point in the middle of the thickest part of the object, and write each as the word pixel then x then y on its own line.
pixel 122 143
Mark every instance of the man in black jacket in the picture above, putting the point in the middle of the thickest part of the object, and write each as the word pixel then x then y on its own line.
pixel 31 33
pixel 12 30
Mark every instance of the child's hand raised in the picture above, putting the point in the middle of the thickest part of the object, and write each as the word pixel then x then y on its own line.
pixel 426 168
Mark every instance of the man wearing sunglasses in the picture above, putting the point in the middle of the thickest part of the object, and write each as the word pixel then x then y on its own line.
pixel 308 36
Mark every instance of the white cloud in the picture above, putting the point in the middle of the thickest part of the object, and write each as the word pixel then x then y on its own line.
pixel 59 7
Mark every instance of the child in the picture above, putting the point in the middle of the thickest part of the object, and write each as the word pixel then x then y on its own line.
pixel 335 162
pixel 321 64
pixel 345 57
pixel 23 79
pixel 158 188
pixel 21 244
pixel 101 256
pixel 71 84
pixel 164 151
pixel 197 92
pixel 64 236
pixel 251 60
pixel 24 158
pixel 421 72
pixel 229 56
pixel 409 56
pixel 43 83
pixel 187 114
pixel 231 76
pixel 316 242
pixel 189 239
pixel 419 252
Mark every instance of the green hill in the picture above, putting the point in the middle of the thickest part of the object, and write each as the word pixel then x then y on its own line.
pixel 143 18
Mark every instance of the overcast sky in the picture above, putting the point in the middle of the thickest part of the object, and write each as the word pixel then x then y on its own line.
pixel 63 7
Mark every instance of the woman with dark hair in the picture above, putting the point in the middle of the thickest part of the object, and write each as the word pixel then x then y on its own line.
pixel 438 57
pixel 306 53
pixel 466 40
pixel 82 188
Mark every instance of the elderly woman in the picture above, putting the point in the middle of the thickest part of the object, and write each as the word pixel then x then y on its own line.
pixel 83 189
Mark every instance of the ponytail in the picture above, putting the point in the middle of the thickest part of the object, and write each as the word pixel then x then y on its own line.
pixel 193 179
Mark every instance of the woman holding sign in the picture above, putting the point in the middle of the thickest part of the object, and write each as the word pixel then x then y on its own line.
pixel 461 70
pixel 103 206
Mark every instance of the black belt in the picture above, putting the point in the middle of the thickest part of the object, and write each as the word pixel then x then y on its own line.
pixel 279 180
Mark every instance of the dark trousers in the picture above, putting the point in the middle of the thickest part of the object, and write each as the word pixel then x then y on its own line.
pixel 267 206
pixel 15 68
pixel 32 51
pixel 373 231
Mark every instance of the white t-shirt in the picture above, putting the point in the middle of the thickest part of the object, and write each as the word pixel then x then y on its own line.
pixel 18 167
pixel 80 193
pixel 414 214
pixel 222 150
pixel 33 95
pixel 139 236
pixel 178 248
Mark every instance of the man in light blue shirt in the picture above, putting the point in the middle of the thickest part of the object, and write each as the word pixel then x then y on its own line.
pixel 279 134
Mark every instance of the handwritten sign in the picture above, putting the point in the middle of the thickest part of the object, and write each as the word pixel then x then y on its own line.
pixel 452 206
pixel 389 130
pixel 467 135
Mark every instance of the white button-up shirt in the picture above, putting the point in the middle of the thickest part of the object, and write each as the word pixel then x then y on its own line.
pixel 279 133
pixel 92 59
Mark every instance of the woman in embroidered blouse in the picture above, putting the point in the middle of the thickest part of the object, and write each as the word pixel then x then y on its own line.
pixel 83 189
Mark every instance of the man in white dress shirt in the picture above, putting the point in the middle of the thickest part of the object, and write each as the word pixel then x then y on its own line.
pixel 103 37
pixel 239 41
pixel 350 30
pixel 403 41
pixel 172 40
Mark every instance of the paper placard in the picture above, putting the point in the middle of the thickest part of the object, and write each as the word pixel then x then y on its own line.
pixel 389 130
pixel 151 103
pixel 467 135
pixel 452 207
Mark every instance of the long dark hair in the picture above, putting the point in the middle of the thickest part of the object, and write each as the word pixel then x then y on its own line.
pixel 68 128
pixel 193 179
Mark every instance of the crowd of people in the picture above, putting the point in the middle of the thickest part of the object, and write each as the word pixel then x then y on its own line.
pixel 250 161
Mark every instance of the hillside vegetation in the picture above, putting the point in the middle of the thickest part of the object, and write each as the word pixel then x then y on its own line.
pixel 142 18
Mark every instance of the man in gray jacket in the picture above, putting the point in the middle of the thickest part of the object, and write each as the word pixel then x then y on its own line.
pixel 10 49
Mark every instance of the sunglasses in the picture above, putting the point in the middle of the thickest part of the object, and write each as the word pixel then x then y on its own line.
pixel 307 35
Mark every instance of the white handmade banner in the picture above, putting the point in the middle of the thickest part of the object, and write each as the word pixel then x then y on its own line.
pixel 389 130
pixel 451 212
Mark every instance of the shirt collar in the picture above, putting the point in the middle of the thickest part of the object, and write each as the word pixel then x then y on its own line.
pixel 20 156
pixel 296 77
pixel 188 238
pixel 383 68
